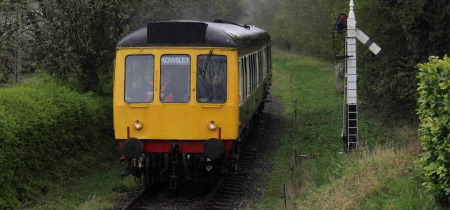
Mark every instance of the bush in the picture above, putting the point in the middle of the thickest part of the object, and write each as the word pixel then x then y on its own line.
pixel 434 115
pixel 49 133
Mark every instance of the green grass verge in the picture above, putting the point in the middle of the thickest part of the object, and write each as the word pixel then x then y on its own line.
pixel 318 125
pixel 400 193
pixel 99 190
pixel 329 179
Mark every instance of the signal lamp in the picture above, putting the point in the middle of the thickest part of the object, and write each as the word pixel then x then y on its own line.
pixel 341 22
pixel 212 125
pixel 137 125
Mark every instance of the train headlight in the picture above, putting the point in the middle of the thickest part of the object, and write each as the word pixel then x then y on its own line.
pixel 212 125
pixel 137 125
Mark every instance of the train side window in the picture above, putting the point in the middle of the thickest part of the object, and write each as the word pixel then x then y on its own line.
pixel 211 79
pixel 267 58
pixel 175 78
pixel 139 78
pixel 255 68
pixel 264 63
pixel 246 78
pixel 251 73
pixel 241 81
pixel 270 57
pixel 260 67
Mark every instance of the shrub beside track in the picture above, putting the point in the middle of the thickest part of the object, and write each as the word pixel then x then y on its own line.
pixel 434 115
pixel 49 133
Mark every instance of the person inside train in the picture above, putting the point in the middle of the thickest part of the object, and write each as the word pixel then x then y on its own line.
pixel 141 72
pixel 218 89
pixel 142 90
pixel 150 91
pixel 166 88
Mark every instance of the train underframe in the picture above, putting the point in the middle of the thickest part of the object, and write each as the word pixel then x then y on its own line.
pixel 182 161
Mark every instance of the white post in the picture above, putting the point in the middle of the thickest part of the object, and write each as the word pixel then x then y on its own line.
pixel 352 100
pixel 351 61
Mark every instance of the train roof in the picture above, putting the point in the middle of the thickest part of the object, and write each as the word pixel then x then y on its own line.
pixel 195 33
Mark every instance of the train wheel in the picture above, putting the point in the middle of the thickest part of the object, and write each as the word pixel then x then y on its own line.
pixel 234 156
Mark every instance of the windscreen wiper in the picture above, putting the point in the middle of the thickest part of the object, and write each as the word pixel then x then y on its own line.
pixel 203 74
pixel 224 21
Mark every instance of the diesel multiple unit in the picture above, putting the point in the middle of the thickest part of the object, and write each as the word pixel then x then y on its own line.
pixel 184 96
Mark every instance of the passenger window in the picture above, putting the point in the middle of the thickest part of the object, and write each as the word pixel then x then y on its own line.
pixel 247 78
pixel 260 67
pixel 139 78
pixel 211 79
pixel 175 78
pixel 241 81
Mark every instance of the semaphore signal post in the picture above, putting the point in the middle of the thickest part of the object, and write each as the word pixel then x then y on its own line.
pixel 353 33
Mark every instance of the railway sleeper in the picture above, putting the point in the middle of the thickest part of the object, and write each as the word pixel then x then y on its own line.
pixel 221 203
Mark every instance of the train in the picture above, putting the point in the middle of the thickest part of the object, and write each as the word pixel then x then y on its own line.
pixel 184 96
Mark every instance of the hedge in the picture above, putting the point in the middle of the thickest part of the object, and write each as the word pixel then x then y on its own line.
pixel 434 115
pixel 49 133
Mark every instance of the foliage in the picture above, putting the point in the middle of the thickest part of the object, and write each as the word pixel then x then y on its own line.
pixel 304 26
pixel 433 112
pixel 408 32
pixel 10 41
pixel 49 133
pixel 76 37
pixel 203 10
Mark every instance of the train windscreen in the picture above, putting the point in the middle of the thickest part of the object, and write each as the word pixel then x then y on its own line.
pixel 139 78
pixel 211 79
pixel 175 78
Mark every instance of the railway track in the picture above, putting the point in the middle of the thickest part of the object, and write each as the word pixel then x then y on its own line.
pixel 131 198
pixel 230 187
pixel 222 197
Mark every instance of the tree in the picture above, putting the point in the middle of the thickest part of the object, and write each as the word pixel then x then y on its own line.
pixel 203 10
pixel 408 32
pixel 77 36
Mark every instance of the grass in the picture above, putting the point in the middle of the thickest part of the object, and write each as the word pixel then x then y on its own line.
pixel 318 125
pixel 94 191
pixel 382 175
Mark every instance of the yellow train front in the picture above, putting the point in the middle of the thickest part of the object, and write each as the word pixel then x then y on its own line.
pixel 184 96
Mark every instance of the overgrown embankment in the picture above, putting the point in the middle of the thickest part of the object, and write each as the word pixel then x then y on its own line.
pixel 49 133
pixel 382 175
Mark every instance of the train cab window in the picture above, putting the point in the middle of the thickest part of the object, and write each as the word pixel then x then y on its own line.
pixel 211 79
pixel 175 78
pixel 139 78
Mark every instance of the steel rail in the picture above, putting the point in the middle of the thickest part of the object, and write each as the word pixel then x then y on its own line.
pixel 208 198
pixel 135 200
